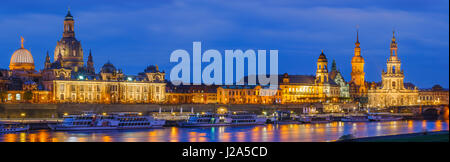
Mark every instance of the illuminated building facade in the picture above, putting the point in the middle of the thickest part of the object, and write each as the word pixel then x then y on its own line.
pixel 434 96
pixel 191 94
pixel 111 87
pixel 248 94
pixel 308 89
pixel 392 91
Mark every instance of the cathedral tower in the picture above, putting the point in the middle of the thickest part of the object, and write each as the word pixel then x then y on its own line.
pixel 393 77
pixel 358 65
pixel 69 46
pixel 322 69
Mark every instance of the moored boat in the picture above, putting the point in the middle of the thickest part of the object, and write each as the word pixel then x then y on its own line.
pixel 383 117
pixel 114 121
pixel 13 127
pixel 320 119
pixel 227 119
pixel 363 118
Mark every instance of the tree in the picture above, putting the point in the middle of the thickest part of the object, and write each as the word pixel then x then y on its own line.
pixel 27 96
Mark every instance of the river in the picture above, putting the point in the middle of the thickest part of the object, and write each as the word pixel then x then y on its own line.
pixel 264 133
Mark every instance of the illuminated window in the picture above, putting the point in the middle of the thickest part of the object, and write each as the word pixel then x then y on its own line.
pixel 9 97
pixel 61 87
pixel 18 97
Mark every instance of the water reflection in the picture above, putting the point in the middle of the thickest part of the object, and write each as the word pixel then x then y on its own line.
pixel 267 133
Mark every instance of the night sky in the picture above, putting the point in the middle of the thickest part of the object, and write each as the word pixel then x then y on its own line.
pixel 134 34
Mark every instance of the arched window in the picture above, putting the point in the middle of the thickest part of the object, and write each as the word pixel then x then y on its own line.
pixel 393 69
pixel 393 84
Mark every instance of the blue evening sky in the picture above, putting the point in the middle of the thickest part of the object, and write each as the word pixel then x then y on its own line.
pixel 133 34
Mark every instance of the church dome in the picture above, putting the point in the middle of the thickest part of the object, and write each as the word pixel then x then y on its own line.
pixel 108 68
pixel 22 60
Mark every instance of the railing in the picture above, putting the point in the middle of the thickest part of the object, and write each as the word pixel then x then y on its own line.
pixel 31 120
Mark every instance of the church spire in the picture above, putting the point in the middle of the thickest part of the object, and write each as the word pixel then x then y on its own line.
pixel 393 45
pixel 47 61
pixel 90 63
pixel 333 66
pixel 357 38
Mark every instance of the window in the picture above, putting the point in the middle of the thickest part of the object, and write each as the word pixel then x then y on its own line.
pixel 61 97
pixel 393 84
pixel 9 97
pixel 61 87
pixel 17 97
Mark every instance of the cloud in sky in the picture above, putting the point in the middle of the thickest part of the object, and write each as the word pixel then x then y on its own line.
pixel 134 34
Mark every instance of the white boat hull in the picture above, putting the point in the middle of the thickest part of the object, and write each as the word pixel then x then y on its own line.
pixel 216 124
pixel 11 130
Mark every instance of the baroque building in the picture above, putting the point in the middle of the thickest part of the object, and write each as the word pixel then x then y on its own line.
pixel 248 94
pixel 110 87
pixel 392 91
pixel 308 89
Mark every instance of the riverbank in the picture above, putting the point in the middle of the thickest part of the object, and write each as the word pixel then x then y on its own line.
pixel 440 136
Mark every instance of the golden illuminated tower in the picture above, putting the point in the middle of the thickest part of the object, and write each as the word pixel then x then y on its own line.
pixel 358 65
pixel 322 69
pixel 358 81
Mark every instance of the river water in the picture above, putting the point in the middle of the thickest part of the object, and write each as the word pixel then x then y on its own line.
pixel 263 133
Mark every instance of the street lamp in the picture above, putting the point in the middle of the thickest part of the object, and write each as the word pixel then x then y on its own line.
pixel 23 116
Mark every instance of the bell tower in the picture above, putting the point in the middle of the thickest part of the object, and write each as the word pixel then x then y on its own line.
pixel 322 69
pixel 393 77
pixel 69 25
pixel 358 65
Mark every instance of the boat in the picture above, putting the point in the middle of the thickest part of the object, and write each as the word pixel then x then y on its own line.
pixel 320 119
pixel 227 119
pixel 363 118
pixel 383 117
pixel 305 119
pixel 114 121
pixel 13 127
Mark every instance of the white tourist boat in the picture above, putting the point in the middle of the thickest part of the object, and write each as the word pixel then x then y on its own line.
pixel 315 119
pixel 363 118
pixel 227 119
pixel 11 128
pixel 121 120
pixel 383 117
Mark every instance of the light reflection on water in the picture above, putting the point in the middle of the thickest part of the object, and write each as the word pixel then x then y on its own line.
pixel 267 133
